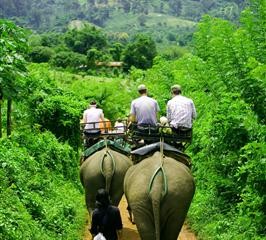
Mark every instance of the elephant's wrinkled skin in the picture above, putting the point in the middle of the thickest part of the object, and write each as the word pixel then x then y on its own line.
pixel 160 205
pixel 104 169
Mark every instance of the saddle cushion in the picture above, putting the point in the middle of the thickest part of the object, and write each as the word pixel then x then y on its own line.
pixel 170 151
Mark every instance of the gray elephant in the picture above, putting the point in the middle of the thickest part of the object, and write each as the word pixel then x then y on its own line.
pixel 159 190
pixel 105 168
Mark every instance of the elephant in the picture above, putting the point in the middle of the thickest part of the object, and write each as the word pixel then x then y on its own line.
pixel 105 168
pixel 159 190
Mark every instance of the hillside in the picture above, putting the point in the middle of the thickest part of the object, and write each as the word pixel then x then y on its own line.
pixel 50 15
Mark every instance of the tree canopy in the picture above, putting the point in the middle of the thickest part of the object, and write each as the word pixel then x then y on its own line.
pixel 140 52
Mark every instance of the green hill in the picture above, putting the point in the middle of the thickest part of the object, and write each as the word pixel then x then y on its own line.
pixel 169 22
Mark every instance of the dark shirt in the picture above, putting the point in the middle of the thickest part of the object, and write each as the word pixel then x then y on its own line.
pixel 106 221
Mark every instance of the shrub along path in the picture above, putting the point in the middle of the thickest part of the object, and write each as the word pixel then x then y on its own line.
pixel 130 231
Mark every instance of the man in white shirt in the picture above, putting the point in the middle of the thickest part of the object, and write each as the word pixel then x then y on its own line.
pixel 91 118
pixel 144 109
pixel 181 110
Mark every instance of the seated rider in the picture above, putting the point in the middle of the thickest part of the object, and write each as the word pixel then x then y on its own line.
pixel 119 126
pixel 144 109
pixel 181 111
pixel 91 118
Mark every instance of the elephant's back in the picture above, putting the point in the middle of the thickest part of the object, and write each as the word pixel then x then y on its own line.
pixel 102 162
pixel 159 190
pixel 95 160
pixel 177 175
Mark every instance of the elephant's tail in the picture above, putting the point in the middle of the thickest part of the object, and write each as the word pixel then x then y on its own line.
pixel 157 192
pixel 108 174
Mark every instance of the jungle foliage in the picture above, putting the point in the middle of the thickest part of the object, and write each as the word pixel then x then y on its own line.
pixel 157 18
pixel 51 15
pixel 13 47
pixel 37 176
pixel 224 75
pixel 91 50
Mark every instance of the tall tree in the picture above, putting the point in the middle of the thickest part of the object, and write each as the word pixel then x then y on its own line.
pixel 84 39
pixel 140 52
pixel 13 46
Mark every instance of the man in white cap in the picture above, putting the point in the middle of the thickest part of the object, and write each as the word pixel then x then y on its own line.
pixel 181 110
pixel 144 109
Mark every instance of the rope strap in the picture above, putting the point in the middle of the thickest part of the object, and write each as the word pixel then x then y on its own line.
pixel 113 162
pixel 165 182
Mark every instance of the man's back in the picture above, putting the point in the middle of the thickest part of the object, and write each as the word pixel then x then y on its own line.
pixel 181 111
pixel 145 109
pixel 107 221
pixel 92 115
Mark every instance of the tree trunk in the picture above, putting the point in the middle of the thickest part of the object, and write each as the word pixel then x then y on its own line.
pixel 8 123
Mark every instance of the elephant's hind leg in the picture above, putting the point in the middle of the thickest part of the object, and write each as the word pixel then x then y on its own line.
pixel 172 227
pixel 144 222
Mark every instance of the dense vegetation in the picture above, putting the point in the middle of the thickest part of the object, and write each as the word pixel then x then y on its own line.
pixel 224 75
pixel 167 21
pixel 89 50
pixel 40 194
pixel 50 15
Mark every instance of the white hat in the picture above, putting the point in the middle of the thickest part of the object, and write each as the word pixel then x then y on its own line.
pixel 142 87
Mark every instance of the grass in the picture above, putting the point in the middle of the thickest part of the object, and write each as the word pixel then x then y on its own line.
pixel 171 21
pixel 121 22
pixel 158 26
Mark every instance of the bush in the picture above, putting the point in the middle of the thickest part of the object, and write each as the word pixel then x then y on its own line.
pixel 41 54
pixel 35 200
pixel 61 115
pixel 69 59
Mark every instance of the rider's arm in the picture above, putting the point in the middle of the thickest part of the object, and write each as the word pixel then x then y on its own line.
pixel 194 113
pixel 84 118
pixel 168 113
pixel 157 111
pixel 132 115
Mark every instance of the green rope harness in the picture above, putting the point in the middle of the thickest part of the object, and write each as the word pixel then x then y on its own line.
pixel 161 170
pixel 113 161
pixel 107 152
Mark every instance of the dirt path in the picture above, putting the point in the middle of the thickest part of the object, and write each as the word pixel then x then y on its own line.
pixel 130 231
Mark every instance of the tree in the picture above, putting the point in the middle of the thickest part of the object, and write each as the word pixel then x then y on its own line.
pixel 41 54
pixel 253 19
pixel 116 50
pixel 140 52
pixel 50 39
pixel 68 59
pixel 175 7
pixel 233 54
pixel 13 46
pixel 82 40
